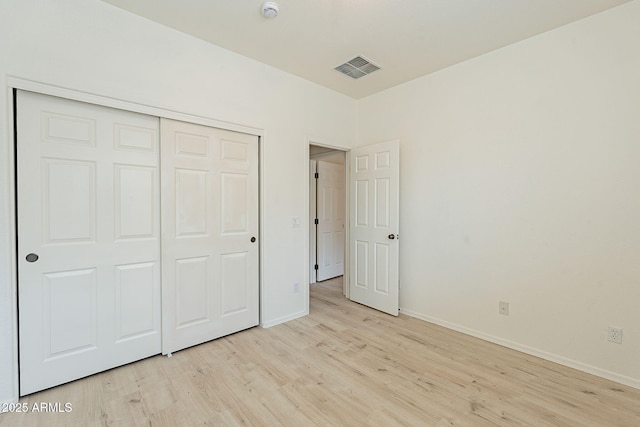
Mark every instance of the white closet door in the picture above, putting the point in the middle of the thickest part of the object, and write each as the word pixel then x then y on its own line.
pixel 88 239
pixel 330 211
pixel 210 230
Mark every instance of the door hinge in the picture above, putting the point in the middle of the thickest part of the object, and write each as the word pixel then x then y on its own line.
pixel 317 175
pixel 316 222
pixel 315 267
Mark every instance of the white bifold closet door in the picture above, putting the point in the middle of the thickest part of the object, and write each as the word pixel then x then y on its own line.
pixel 88 214
pixel 210 231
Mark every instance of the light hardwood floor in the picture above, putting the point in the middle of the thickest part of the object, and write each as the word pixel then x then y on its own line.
pixel 343 365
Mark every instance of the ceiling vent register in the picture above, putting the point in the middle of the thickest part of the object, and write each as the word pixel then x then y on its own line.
pixel 357 67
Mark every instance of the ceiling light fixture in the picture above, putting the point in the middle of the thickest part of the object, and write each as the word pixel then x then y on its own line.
pixel 270 9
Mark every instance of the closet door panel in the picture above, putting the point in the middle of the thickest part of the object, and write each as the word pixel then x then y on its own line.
pixel 210 215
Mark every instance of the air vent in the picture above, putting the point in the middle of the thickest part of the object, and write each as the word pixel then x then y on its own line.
pixel 357 67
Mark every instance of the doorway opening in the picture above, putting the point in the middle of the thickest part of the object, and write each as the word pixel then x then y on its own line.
pixel 327 213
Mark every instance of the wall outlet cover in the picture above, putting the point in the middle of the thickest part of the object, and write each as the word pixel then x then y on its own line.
pixel 614 335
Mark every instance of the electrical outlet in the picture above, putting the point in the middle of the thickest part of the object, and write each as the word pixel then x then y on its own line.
pixel 503 308
pixel 296 288
pixel 615 335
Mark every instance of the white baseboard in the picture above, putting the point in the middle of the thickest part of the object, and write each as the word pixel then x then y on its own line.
pixel 603 373
pixel 284 319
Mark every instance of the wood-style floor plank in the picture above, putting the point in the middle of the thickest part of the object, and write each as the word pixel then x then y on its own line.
pixel 343 365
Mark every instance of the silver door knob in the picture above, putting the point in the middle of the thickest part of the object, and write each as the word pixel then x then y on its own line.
pixel 32 257
pixel 253 239
pixel 391 236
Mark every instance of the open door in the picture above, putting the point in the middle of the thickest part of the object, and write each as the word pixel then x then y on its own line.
pixel 374 225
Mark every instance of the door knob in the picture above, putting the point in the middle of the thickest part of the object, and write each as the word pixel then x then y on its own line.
pixel 32 257
pixel 253 239
pixel 391 236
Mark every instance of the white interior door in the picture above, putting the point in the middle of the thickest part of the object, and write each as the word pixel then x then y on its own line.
pixel 210 230
pixel 330 213
pixel 374 226
pixel 88 239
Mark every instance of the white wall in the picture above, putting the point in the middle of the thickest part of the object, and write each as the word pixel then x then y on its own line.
pixel 88 46
pixel 520 178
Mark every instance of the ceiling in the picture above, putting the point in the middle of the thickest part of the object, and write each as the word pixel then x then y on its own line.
pixel 406 38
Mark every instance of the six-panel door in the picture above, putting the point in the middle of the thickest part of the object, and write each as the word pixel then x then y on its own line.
pixel 210 229
pixel 88 239
pixel 374 226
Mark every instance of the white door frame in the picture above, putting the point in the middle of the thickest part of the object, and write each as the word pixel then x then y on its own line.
pixel 76 95
pixel 347 153
pixel 313 206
